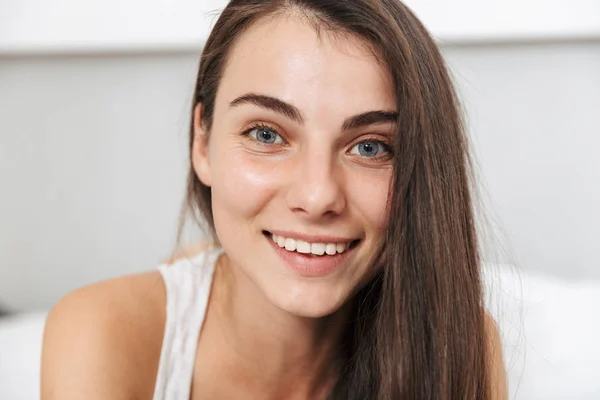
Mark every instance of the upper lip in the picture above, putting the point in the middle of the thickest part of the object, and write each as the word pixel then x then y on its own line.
pixel 313 238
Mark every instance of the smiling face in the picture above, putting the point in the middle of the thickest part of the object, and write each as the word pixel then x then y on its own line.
pixel 298 161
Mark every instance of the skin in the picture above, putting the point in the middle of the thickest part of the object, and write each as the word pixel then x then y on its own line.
pixel 269 332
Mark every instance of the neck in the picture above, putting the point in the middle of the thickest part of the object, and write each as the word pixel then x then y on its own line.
pixel 271 350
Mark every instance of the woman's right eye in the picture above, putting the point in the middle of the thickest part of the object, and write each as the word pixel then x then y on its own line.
pixel 265 135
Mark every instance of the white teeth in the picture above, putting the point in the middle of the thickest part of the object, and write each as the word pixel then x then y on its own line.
pixel 290 244
pixel 317 249
pixel 303 247
pixel 330 249
pixel 280 241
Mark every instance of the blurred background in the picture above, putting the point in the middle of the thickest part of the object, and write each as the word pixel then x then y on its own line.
pixel 94 114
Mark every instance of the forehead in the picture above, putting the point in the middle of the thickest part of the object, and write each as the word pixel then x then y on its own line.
pixel 286 57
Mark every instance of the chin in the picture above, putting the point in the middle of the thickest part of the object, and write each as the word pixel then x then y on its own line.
pixel 309 300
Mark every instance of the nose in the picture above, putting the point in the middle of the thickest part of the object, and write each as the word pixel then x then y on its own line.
pixel 316 188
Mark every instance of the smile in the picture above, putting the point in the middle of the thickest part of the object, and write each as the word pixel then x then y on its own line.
pixel 317 249
pixel 312 259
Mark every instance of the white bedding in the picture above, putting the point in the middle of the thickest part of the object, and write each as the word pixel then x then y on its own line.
pixel 550 330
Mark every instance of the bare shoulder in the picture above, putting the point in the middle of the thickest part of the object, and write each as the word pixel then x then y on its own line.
pixel 497 370
pixel 103 341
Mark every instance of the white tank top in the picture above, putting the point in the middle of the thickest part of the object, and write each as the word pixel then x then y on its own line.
pixel 187 282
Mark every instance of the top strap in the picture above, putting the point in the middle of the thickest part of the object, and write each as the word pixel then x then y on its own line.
pixel 188 282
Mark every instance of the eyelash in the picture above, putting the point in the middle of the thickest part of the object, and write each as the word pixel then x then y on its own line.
pixel 259 125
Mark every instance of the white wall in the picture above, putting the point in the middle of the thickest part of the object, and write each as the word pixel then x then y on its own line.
pixel 534 116
pixel 33 26
pixel 92 164
pixel 92 149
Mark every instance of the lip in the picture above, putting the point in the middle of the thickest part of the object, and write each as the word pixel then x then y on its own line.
pixel 313 238
pixel 308 265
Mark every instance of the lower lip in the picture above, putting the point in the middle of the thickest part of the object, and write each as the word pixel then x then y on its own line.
pixel 311 265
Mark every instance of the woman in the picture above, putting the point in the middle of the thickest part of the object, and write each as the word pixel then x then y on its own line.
pixel 329 161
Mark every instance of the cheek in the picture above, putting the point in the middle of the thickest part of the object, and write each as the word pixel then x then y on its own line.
pixel 370 193
pixel 242 184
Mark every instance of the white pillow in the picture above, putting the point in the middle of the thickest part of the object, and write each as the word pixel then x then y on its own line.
pixel 550 330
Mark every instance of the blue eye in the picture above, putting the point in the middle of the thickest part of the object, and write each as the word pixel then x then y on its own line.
pixel 370 149
pixel 266 135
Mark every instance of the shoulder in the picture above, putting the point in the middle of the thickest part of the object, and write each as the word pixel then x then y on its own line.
pixel 104 340
pixel 496 367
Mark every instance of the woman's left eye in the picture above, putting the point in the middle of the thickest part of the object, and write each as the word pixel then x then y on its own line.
pixel 370 149
pixel 265 135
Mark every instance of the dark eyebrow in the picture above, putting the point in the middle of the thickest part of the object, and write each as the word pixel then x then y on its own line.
pixel 292 112
pixel 270 103
pixel 369 118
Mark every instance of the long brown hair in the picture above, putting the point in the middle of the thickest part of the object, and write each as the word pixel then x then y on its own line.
pixel 418 330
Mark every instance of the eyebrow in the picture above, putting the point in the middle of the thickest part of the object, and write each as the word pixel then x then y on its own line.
pixel 292 112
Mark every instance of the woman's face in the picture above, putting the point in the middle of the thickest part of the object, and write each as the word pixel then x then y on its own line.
pixel 299 149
